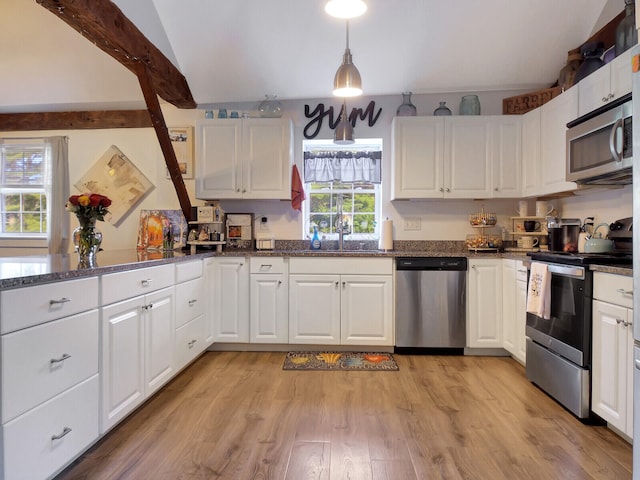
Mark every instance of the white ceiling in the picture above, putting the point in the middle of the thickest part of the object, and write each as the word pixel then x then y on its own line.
pixel 238 50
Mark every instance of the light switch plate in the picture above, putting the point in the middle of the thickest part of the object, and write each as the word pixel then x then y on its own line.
pixel 412 223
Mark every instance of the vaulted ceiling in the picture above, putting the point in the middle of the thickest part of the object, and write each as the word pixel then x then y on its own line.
pixel 236 51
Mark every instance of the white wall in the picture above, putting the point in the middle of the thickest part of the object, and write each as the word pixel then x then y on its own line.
pixel 440 219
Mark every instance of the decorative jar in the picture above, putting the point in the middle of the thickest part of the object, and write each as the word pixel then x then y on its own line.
pixel 626 33
pixel 591 52
pixel 406 109
pixel 87 240
pixel 470 105
pixel 442 110
pixel 270 107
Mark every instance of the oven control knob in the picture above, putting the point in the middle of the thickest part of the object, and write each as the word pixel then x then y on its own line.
pixel 615 226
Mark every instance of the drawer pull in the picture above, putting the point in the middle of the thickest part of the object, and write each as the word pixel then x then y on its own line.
pixel 192 302
pixel 192 343
pixel 65 356
pixel 265 267
pixel 147 307
pixel 65 431
pixel 522 271
pixel 146 282
pixel 279 282
pixel 60 300
pixel 625 292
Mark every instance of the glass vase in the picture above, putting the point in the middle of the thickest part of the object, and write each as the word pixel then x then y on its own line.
pixel 470 105
pixel 87 239
pixel 442 110
pixel 406 109
pixel 626 33
pixel 270 107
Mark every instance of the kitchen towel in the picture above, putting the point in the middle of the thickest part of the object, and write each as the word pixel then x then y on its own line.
pixel 539 292
pixel 297 190
pixel 386 235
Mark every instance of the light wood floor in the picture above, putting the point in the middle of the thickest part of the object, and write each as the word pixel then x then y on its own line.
pixel 239 416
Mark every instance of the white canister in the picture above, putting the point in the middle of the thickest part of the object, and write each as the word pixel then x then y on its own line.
pixel 523 208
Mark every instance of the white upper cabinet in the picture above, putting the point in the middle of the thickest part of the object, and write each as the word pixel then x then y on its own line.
pixel 531 154
pixel 244 158
pixel 456 157
pixel 608 83
pixel 554 117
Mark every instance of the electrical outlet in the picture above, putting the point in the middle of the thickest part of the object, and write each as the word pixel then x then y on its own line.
pixel 412 223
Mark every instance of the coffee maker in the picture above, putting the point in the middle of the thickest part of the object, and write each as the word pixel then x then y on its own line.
pixel 563 234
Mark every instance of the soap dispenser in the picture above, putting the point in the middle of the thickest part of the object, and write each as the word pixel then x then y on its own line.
pixel 315 240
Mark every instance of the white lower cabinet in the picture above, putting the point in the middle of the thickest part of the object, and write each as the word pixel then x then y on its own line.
pixel 191 314
pixel 137 352
pixel 484 313
pixel 230 298
pixel 350 307
pixel 612 363
pixel 269 300
pixel 514 315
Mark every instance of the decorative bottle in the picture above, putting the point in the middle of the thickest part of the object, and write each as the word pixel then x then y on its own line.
pixel 442 110
pixel 626 33
pixel 315 240
pixel 406 109
pixel 470 105
pixel 270 107
pixel 567 76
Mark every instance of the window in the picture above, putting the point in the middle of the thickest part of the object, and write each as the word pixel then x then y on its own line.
pixel 23 188
pixel 357 186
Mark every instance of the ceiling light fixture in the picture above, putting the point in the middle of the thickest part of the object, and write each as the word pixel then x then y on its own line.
pixel 343 133
pixel 345 8
pixel 347 82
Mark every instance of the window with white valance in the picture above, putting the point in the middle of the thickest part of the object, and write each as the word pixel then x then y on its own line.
pixel 343 166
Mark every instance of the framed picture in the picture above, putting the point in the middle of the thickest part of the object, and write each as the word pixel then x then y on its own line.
pixel 153 225
pixel 182 141
pixel 117 177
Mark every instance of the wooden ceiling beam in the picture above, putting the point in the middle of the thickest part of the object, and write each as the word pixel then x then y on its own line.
pixel 104 24
pixel 20 122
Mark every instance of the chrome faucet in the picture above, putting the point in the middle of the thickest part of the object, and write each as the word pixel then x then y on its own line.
pixel 342 227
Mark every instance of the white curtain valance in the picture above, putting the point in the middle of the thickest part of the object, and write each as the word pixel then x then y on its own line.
pixel 346 167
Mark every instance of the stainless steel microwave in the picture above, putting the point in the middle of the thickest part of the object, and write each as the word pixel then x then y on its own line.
pixel 600 145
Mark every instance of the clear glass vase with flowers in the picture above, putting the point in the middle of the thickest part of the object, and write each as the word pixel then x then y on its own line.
pixel 88 208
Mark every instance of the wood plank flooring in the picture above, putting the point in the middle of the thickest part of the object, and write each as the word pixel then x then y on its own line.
pixel 239 416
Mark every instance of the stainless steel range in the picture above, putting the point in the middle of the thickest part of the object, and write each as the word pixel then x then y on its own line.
pixel 559 348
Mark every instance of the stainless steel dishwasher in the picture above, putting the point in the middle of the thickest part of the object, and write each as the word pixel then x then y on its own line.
pixel 431 304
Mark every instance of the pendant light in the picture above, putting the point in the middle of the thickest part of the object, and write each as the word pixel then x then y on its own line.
pixel 347 82
pixel 345 8
pixel 343 133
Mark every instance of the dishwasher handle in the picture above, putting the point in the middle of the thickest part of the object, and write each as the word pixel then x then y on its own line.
pixel 432 263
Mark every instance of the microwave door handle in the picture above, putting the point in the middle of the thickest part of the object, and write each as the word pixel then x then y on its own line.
pixel 612 140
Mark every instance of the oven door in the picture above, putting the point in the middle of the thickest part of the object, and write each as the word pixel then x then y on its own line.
pixel 568 330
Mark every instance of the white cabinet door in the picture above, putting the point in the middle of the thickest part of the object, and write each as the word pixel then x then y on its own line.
pixel 314 309
pixel 553 120
pixel 267 157
pixel 209 291
pixel 366 313
pixel 531 154
pixel 611 363
pixel 244 158
pixel 621 74
pixel 231 299
pixel 506 156
pixel 218 159
pixel 484 313
pixel 467 157
pixel 521 313
pixel 594 90
pixel 159 339
pixel 417 145
pixel 269 308
pixel 509 314
pixel 122 374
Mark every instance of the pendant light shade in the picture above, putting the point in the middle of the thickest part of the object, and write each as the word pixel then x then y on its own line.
pixel 345 8
pixel 347 82
pixel 343 133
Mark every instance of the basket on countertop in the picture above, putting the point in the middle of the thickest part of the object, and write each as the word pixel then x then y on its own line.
pixel 483 219
pixel 483 242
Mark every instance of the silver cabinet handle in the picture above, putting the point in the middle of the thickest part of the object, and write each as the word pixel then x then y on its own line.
pixel 237 190
pixel 192 302
pixel 60 300
pixel 495 189
pixel 522 271
pixel 146 282
pixel 337 283
pixel 64 357
pixel 441 189
pixel 147 307
pixel 279 282
pixel 625 292
pixel 447 190
pixel 344 284
pixel 475 267
pixel 65 431
pixel 637 362
pixel 191 343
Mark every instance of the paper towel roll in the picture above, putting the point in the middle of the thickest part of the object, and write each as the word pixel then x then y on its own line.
pixel 386 235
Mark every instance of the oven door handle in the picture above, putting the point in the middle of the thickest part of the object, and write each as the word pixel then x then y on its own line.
pixel 612 140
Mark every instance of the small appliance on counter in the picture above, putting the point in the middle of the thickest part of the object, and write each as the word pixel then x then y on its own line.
pixel 564 234
pixel 240 230
pixel 264 237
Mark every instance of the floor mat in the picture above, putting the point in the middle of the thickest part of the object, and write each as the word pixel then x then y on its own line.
pixel 340 361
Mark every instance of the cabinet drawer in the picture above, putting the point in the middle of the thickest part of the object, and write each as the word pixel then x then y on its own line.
pixel 40 362
pixel 268 265
pixel 28 446
pixel 615 289
pixel 122 285
pixel 189 301
pixel 341 266
pixel 188 271
pixel 28 306
pixel 189 341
